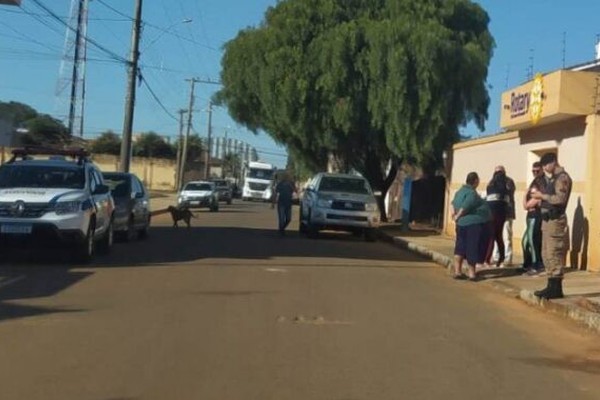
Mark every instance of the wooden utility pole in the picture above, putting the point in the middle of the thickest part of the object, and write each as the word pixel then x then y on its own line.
pixel 178 176
pixel 187 132
pixel 209 144
pixel 131 85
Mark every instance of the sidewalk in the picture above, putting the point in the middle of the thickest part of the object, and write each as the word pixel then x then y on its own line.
pixel 581 288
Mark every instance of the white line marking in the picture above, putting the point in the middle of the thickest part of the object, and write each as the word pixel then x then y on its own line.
pixel 275 270
pixel 8 282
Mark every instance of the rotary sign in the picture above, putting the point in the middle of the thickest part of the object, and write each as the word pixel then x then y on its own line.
pixel 529 102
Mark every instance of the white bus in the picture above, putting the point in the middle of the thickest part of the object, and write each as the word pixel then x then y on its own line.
pixel 258 181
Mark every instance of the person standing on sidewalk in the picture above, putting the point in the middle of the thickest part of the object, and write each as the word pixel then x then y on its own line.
pixel 497 199
pixel 532 238
pixel 507 228
pixel 283 197
pixel 554 200
pixel 471 215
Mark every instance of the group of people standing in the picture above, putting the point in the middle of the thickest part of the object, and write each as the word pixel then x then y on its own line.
pixel 484 223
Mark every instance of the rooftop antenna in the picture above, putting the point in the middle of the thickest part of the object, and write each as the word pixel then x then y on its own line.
pixel 564 49
pixel 507 76
pixel 530 68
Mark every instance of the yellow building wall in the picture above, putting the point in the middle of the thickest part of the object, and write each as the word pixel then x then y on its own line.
pixel 516 151
pixel 156 173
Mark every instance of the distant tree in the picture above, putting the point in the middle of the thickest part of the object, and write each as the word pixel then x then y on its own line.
pixel 232 165
pixel 16 112
pixel 367 83
pixel 107 143
pixel 43 130
pixel 151 144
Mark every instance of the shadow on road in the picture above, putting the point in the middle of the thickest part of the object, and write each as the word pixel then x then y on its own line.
pixel 34 282
pixel 32 274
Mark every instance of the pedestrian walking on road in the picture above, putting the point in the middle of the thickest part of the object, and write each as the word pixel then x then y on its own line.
pixel 471 214
pixel 532 238
pixel 283 197
pixel 554 200
pixel 497 197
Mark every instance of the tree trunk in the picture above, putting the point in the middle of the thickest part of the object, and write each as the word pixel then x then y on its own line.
pixel 379 181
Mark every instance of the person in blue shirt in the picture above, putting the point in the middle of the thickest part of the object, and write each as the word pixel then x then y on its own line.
pixel 472 216
pixel 283 197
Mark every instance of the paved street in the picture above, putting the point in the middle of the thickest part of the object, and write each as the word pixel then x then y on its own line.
pixel 227 310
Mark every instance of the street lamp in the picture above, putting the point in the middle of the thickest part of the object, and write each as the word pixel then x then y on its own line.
pixel 167 29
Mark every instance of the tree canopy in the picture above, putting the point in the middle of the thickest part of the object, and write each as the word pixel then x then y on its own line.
pixel 42 129
pixel 107 143
pixel 151 144
pixel 367 82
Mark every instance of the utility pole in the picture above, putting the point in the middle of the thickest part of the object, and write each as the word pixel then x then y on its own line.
pixel 189 127
pixel 224 155
pixel 207 157
pixel 75 76
pixel 179 151
pixel 130 98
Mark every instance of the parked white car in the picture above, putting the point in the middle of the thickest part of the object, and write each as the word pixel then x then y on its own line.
pixel 60 200
pixel 339 202
pixel 199 194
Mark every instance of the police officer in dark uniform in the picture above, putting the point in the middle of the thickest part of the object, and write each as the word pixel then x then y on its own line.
pixel 554 200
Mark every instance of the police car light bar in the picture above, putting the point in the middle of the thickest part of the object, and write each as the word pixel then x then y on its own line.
pixel 79 153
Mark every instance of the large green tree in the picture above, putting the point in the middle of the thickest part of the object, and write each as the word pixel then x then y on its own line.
pixel 370 83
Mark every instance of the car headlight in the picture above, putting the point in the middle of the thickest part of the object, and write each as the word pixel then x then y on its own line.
pixel 323 203
pixel 371 207
pixel 67 207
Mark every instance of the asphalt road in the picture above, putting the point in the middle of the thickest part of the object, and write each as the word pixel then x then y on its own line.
pixel 227 310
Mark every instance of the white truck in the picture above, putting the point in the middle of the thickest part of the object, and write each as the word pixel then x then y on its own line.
pixel 258 181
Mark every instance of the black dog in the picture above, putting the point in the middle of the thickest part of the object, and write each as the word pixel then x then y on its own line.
pixel 180 214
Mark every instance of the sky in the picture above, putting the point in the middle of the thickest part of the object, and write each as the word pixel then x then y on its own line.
pixel 183 39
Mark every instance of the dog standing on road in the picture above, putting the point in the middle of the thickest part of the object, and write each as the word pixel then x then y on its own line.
pixel 179 214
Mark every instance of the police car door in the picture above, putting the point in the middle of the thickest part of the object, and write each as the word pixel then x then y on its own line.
pixel 100 201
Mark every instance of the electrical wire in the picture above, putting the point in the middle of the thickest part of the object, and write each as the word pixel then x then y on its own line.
pixel 160 103
pixel 22 12
pixel 122 14
pixel 87 38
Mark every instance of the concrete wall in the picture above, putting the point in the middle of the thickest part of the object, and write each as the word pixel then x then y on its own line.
pixel 156 173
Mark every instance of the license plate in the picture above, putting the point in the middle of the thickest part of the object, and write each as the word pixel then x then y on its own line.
pixel 195 203
pixel 22 229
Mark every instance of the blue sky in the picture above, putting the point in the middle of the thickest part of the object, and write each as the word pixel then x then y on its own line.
pixel 184 38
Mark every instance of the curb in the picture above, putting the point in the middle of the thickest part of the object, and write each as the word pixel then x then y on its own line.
pixel 423 251
pixel 573 311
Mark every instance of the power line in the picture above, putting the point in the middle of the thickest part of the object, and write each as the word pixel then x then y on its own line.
pixel 87 38
pixel 23 12
pixel 122 14
pixel 160 103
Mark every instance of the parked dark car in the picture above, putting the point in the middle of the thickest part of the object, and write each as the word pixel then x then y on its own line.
pixel 224 190
pixel 132 205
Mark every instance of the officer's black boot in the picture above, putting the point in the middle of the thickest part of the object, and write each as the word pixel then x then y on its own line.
pixel 553 289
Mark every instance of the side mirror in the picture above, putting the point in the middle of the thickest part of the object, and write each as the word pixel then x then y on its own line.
pixel 101 189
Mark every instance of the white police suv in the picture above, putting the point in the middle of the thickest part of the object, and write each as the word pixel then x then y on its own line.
pixel 60 199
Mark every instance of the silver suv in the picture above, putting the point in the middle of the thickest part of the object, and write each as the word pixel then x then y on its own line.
pixel 60 199
pixel 339 202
